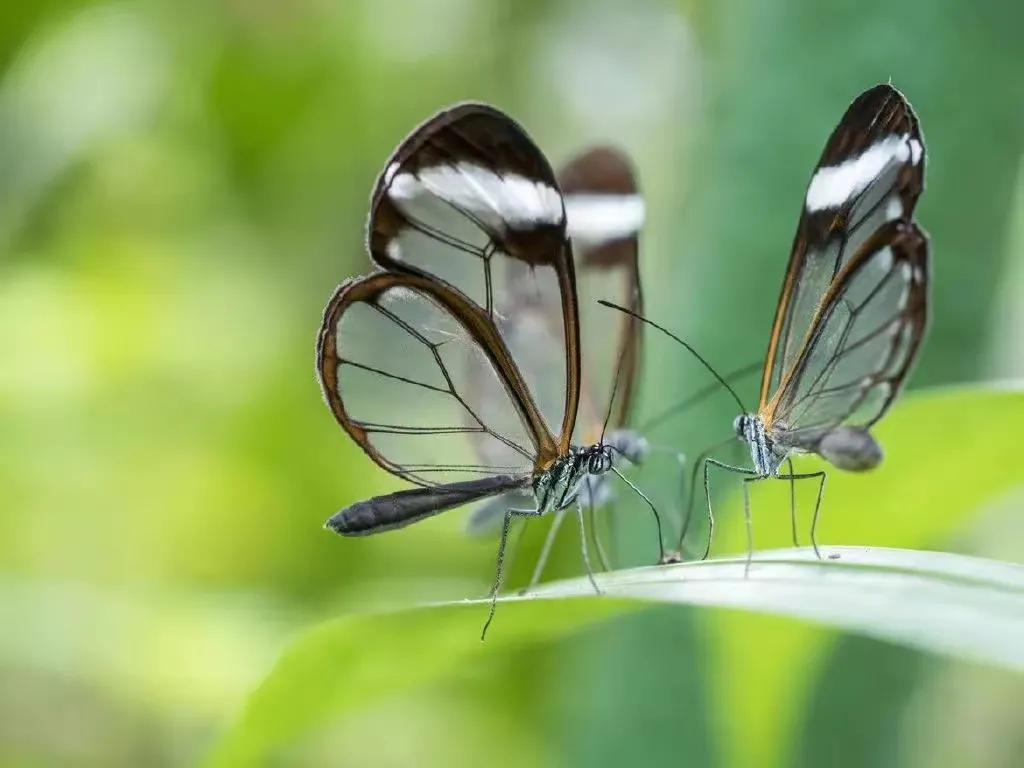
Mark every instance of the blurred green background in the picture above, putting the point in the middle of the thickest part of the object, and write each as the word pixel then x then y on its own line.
pixel 181 187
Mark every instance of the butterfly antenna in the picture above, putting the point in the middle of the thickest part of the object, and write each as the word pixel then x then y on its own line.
pixel 698 396
pixel 694 352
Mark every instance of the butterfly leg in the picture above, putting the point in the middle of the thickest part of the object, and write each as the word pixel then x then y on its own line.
pixel 688 517
pixel 499 574
pixel 545 552
pixel 693 494
pixel 708 463
pixel 674 556
pixel 654 511
pixel 748 520
pixel 817 508
pixel 792 503
pixel 820 476
pixel 583 545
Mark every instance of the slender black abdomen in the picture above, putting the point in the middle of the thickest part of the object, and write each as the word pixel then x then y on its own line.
pixel 396 510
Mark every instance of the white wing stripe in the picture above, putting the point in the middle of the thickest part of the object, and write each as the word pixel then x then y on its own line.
pixel 834 185
pixel 594 218
pixel 510 199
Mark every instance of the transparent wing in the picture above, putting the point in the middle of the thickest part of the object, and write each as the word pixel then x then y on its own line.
pixel 468 199
pixel 863 340
pixel 532 330
pixel 396 355
pixel 605 213
pixel 870 173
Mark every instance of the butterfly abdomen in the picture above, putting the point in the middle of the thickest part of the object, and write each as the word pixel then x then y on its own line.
pixel 850 448
pixel 397 510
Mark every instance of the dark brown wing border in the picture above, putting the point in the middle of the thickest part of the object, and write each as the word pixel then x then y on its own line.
pixel 468 315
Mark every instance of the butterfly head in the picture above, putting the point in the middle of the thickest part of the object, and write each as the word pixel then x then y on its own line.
pixel 745 427
pixel 600 459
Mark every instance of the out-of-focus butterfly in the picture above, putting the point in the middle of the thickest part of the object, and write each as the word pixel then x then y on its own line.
pixel 466 220
pixel 604 213
pixel 853 308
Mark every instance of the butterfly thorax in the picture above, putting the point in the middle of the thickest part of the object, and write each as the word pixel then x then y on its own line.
pixel 559 486
pixel 765 454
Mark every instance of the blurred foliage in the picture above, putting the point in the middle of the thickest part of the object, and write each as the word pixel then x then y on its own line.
pixel 181 186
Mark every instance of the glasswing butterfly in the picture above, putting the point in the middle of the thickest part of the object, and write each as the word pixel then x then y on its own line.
pixel 853 308
pixel 434 364
pixel 604 213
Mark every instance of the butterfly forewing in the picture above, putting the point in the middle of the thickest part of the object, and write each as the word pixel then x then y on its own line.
pixel 862 341
pixel 870 173
pixel 397 354
pixel 605 212
pixel 469 200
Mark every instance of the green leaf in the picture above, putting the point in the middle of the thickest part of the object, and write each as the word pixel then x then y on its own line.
pixel 951 453
pixel 925 600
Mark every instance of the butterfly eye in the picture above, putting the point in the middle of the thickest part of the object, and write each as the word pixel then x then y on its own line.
pixel 607 458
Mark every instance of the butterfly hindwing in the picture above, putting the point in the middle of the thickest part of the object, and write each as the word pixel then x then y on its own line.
pixel 396 354
pixel 863 340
